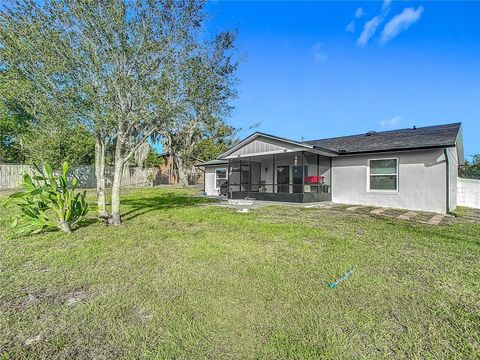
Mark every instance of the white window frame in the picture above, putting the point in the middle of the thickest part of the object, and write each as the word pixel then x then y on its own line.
pixel 383 190
pixel 226 176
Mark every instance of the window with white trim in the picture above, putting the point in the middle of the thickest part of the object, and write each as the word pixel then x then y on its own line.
pixel 220 177
pixel 383 175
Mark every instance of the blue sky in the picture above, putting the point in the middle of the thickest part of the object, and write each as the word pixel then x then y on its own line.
pixel 324 69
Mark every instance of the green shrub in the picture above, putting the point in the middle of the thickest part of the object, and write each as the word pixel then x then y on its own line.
pixel 48 202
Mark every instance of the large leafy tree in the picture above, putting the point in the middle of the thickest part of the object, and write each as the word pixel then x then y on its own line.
pixel 41 44
pixel 14 122
pixel 209 77
pixel 215 142
pixel 55 144
pixel 28 136
pixel 124 69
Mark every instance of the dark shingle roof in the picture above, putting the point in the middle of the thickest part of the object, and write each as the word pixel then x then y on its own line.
pixel 412 138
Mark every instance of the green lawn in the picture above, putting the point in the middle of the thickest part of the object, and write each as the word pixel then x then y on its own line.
pixel 183 280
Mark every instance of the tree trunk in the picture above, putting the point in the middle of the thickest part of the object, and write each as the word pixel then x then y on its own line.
pixel 182 171
pixel 100 176
pixel 117 180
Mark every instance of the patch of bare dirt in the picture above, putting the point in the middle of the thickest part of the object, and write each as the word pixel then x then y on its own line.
pixel 42 296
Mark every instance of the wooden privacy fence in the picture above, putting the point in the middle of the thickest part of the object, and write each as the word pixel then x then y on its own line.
pixel 11 176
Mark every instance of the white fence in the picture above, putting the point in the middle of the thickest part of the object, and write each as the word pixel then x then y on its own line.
pixel 11 176
pixel 468 193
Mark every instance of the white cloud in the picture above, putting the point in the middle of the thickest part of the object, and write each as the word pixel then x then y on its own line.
pixel 359 13
pixel 369 29
pixel 386 4
pixel 318 53
pixel 350 27
pixel 391 123
pixel 400 22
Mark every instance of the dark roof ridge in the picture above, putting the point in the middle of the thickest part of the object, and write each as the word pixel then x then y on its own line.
pixel 385 131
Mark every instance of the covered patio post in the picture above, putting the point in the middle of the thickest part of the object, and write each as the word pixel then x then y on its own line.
pixel 318 173
pixel 273 175
pixel 249 174
pixel 228 180
pixel 303 172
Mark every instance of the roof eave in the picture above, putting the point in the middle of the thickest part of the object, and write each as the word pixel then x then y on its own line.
pixel 222 162
pixel 321 148
pixel 397 149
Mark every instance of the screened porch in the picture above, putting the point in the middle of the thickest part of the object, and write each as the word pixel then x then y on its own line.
pixel 294 176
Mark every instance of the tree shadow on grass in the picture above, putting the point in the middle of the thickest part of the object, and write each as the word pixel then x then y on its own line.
pixel 165 201
pixel 83 224
pixel 87 222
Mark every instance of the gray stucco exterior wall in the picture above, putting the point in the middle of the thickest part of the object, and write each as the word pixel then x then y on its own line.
pixel 210 183
pixel 421 183
pixel 422 178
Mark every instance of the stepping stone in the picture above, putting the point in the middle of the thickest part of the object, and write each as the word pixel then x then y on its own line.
pixel 240 202
pixel 312 206
pixel 377 211
pixel 436 219
pixel 408 215
pixel 353 208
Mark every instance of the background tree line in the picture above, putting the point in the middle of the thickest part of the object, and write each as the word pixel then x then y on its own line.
pixel 25 139
pixel 471 169
pixel 98 81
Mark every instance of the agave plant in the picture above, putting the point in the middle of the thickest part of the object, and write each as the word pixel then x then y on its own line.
pixel 47 202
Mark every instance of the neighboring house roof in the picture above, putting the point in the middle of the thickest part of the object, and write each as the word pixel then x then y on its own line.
pixel 405 139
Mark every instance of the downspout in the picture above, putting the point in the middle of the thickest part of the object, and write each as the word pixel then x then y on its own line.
pixel 331 176
pixel 303 176
pixel 447 172
pixel 203 170
pixel 249 175
pixel 274 173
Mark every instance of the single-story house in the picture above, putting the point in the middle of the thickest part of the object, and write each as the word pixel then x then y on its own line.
pixel 414 168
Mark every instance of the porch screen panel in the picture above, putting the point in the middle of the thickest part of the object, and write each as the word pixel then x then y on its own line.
pixel 244 176
pixel 266 174
pixel 311 179
pixel 255 176
pixel 234 176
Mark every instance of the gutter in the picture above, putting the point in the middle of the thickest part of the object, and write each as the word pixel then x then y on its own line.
pixel 350 153
pixel 447 172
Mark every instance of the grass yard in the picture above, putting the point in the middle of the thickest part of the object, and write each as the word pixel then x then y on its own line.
pixel 182 280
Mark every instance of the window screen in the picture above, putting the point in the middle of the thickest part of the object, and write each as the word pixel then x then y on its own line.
pixel 384 174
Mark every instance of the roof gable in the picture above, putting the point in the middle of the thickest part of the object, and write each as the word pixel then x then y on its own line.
pixel 259 143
